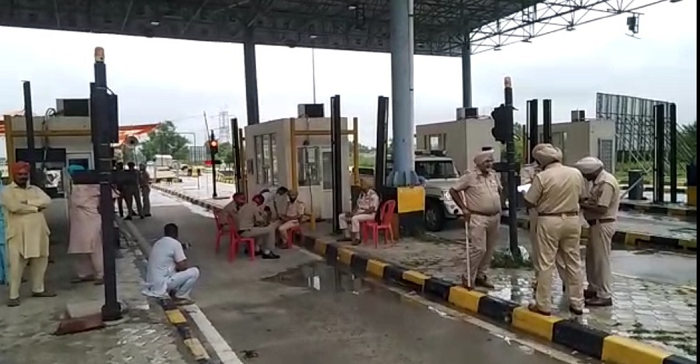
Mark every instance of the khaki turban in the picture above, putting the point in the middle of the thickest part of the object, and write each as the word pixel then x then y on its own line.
pixel 589 165
pixel 547 154
pixel 483 156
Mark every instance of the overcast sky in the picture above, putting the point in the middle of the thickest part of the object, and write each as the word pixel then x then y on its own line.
pixel 159 79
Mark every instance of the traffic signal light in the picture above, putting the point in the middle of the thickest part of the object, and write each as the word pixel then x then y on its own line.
pixel 502 123
pixel 213 146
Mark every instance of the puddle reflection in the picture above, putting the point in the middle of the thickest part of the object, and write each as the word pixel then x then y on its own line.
pixel 323 278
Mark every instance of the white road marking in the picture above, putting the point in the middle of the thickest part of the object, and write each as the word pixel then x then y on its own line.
pixel 218 344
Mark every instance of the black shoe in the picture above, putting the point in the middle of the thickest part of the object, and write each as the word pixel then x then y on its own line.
pixel 575 311
pixel 147 215
pixel 599 302
pixel 142 217
pixel 589 294
pixel 13 302
pixel 270 255
pixel 128 218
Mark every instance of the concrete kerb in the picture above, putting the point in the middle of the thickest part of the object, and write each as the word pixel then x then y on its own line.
pixel 569 333
pixel 173 313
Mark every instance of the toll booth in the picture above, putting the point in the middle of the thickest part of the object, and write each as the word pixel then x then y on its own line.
pixel 296 153
pixel 461 139
pixel 60 141
pixel 578 139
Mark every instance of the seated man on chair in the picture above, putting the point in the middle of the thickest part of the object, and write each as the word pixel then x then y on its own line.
pixel 168 270
pixel 366 210
pixel 293 215
pixel 252 223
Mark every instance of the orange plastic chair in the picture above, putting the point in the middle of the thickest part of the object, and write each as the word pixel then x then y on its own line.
pixel 386 216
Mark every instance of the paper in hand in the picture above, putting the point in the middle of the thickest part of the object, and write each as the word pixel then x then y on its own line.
pixel 524 188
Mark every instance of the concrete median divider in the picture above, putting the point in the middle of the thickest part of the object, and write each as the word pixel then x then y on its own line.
pixel 568 333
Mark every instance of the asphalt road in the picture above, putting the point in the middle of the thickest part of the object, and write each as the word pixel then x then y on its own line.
pixel 299 310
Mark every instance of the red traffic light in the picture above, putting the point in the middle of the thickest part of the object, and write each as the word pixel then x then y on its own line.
pixel 207 162
pixel 213 143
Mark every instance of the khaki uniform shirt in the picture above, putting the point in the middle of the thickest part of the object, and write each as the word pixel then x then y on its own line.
pixel 482 191
pixel 368 201
pixel 144 179
pixel 605 192
pixel 556 190
pixel 249 215
pixel 295 209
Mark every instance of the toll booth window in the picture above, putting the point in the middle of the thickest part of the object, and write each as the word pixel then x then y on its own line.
pixel 327 170
pixel 266 159
pixel 273 163
pixel 308 166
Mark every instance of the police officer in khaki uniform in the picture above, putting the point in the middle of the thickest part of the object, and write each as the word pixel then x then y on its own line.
pixel 527 174
pixel 481 209
pixel 600 211
pixel 366 210
pixel 555 193
pixel 292 216
pixel 252 223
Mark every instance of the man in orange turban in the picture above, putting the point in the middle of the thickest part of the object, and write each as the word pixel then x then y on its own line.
pixel 27 232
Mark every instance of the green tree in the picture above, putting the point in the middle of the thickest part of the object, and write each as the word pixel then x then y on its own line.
pixel 165 140
pixel 518 141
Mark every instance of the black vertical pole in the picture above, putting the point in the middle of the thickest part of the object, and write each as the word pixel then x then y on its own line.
pixel 337 160
pixel 251 76
pixel 212 137
pixel 29 121
pixel 673 153
pixel 547 121
pixel 534 127
pixel 236 150
pixel 512 184
pixel 111 310
pixel 659 114
pixel 382 136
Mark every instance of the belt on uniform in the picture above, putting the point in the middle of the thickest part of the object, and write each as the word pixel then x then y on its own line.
pixel 599 221
pixel 570 213
pixel 483 213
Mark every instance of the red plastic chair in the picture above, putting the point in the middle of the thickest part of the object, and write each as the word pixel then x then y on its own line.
pixel 234 239
pixel 290 236
pixel 386 216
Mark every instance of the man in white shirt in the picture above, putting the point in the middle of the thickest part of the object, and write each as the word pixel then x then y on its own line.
pixel 168 270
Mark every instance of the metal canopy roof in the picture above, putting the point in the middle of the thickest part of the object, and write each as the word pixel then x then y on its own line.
pixel 360 25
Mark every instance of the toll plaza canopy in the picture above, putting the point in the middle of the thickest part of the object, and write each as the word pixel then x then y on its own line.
pixel 441 27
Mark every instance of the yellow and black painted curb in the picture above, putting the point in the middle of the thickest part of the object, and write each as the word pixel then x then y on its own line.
pixel 632 239
pixel 569 333
pixel 659 209
pixel 178 319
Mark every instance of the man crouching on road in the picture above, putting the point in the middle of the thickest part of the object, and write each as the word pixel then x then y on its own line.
pixel 366 210
pixel 481 209
pixel 253 223
pixel 169 272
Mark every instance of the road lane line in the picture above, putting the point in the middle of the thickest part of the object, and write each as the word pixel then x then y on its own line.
pixel 217 342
